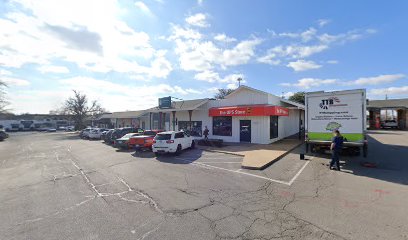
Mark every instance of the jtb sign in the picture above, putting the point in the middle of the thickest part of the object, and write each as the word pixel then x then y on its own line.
pixel 254 110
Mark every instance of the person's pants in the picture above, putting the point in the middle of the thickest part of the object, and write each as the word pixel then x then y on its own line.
pixel 335 159
pixel 205 137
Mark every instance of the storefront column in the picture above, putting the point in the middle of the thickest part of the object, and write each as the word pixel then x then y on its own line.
pixel 190 113
pixel 150 120
pixel 160 121
pixel 174 120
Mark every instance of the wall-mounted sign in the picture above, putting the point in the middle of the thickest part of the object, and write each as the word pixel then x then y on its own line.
pixel 165 102
pixel 255 110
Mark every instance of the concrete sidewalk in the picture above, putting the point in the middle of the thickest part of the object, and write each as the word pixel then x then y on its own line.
pixel 257 156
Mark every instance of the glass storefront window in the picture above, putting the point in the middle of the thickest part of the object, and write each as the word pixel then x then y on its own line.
pixel 222 126
pixel 196 127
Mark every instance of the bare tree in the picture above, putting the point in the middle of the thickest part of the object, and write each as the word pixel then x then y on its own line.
pixel 3 101
pixel 80 110
pixel 222 93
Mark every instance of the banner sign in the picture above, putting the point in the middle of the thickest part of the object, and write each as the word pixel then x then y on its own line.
pixel 254 110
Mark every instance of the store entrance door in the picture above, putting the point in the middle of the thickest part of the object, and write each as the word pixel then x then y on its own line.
pixel 245 130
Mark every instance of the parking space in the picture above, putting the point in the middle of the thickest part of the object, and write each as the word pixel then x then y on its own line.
pixel 55 179
pixel 285 171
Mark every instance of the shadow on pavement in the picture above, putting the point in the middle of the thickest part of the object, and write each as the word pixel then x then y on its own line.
pixel 143 154
pixel 186 157
pixel 391 162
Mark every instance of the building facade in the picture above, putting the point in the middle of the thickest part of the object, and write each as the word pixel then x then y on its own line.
pixel 245 115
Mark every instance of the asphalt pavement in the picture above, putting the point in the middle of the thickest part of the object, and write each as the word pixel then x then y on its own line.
pixel 57 186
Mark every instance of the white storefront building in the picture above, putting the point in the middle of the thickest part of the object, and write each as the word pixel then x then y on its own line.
pixel 245 115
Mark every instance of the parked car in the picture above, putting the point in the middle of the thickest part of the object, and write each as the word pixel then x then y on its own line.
pixel 69 128
pixel 103 134
pixel 3 134
pixel 96 133
pixel 120 132
pixel 123 142
pixel 144 141
pixel 172 142
pixel 389 124
pixel 85 133
pixel 107 136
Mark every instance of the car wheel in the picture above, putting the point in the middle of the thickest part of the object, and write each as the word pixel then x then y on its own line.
pixel 193 144
pixel 178 151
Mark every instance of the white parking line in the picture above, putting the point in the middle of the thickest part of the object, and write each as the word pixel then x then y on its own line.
pixel 298 173
pixel 220 162
pixel 200 164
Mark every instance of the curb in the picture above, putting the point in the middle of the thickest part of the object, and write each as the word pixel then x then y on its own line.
pixel 219 151
pixel 272 161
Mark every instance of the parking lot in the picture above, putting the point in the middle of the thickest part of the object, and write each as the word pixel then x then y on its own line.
pixel 57 186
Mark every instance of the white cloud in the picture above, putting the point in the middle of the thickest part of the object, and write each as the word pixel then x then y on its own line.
pixel 117 97
pixel 89 38
pixel 208 76
pixel 11 81
pixel 302 65
pixel 53 69
pixel 380 79
pixel 224 38
pixel 323 22
pixel 286 95
pixel 200 55
pixel 198 20
pixel 241 53
pixel 214 77
pixel 200 2
pixel 332 62
pixel 295 51
pixel 342 38
pixel 144 8
pixel 269 58
pixel 403 90
pixel 4 72
pixel 305 36
pixel 307 83
pixel 184 33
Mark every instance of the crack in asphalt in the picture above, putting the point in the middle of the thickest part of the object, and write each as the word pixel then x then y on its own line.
pixel 261 208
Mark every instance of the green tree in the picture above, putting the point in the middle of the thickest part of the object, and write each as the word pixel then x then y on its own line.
pixel 222 93
pixel 298 97
pixel 80 110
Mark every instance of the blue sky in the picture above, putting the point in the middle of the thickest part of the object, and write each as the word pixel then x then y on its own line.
pixel 126 54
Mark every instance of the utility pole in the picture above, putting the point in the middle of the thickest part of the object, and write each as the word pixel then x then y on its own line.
pixel 239 81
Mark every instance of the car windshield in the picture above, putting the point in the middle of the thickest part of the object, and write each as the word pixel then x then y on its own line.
pixel 163 136
pixel 150 133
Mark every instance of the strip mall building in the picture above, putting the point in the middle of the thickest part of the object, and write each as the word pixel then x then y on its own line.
pixel 245 115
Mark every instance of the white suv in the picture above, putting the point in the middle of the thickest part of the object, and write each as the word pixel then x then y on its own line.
pixel 172 142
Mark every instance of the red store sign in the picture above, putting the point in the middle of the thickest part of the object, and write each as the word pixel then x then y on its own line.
pixel 252 110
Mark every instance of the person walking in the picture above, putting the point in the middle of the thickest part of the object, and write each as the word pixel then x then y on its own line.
pixel 206 132
pixel 335 147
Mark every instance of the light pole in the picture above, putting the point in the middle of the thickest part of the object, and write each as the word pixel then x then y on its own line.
pixel 239 81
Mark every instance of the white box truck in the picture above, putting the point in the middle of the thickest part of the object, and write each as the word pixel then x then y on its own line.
pixel 342 110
